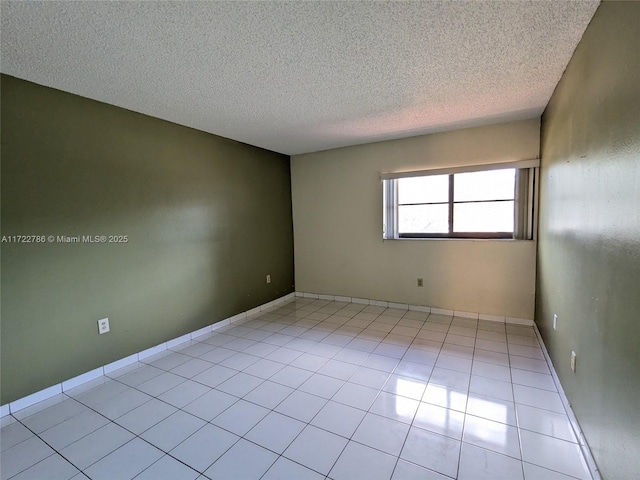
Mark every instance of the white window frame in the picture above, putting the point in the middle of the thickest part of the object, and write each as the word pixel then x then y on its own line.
pixel 525 218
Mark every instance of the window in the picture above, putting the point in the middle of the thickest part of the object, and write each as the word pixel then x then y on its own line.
pixel 488 201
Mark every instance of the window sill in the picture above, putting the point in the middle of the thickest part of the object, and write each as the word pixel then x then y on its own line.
pixel 455 239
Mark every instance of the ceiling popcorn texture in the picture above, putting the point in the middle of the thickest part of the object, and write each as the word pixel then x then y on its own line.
pixel 297 77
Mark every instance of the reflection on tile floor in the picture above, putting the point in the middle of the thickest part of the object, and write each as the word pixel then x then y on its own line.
pixel 312 389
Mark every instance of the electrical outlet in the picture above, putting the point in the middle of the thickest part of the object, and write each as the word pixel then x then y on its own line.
pixel 555 321
pixel 103 326
pixel 420 282
pixel 573 361
pixel 268 278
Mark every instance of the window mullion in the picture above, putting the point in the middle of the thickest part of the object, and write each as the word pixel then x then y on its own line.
pixel 394 193
pixel 485 210
pixel 451 204
pixel 390 200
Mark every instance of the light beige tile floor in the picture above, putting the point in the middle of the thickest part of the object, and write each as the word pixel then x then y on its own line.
pixel 312 389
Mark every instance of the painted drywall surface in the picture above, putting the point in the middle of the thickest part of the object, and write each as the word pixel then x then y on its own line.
pixel 337 211
pixel 589 244
pixel 206 218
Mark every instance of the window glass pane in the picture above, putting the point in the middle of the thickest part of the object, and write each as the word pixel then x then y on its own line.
pixel 489 185
pixel 483 217
pixel 423 219
pixel 430 189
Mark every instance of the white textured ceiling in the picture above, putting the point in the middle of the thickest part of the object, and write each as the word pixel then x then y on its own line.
pixel 298 77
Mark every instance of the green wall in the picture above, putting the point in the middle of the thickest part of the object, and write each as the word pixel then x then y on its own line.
pixel 207 219
pixel 589 239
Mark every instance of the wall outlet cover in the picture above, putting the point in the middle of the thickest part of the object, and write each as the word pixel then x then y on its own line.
pixel 103 326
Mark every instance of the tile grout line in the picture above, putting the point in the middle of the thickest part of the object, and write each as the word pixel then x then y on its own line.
pixel 240 318
pixel 353 336
pixel 449 325
pixel 83 378
pixel 466 405
pixel 271 410
pixel 309 423
pixel 110 421
pixel 380 390
pixel 513 394
pixel 139 436
pixel 420 308
pixel 350 438
pixel 55 451
pixel 575 426
pixel 207 422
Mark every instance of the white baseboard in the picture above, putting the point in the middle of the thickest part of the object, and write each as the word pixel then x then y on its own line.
pixel 582 441
pixel 362 301
pixel 458 313
pixel 520 321
pixel 113 366
pixel 419 308
pixel 342 299
pixel 24 402
pixel 36 397
pixel 492 318
pixel 399 306
pixel 80 379
pixel 441 311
